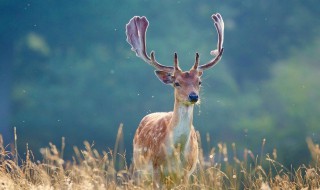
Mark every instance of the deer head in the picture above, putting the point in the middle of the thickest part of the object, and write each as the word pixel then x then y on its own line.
pixel 187 84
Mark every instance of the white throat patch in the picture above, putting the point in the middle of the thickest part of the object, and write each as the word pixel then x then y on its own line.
pixel 181 132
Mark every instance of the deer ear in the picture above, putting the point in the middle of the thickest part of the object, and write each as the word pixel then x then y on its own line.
pixel 164 77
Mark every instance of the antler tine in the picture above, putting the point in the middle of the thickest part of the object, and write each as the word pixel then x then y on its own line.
pixel 196 63
pixel 159 66
pixel 176 62
pixel 219 25
pixel 136 37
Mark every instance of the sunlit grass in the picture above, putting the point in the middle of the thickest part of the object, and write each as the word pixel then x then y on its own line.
pixel 90 169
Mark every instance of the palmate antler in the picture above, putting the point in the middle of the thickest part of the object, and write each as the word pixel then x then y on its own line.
pixel 219 24
pixel 136 37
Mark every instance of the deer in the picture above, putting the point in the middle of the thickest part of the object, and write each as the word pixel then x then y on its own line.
pixel 166 143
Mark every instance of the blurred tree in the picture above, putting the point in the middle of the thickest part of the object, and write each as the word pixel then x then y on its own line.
pixel 10 30
pixel 263 31
pixel 5 89
pixel 291 96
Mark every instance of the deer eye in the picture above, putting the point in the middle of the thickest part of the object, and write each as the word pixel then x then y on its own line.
pixel 177 84
pixel 200 82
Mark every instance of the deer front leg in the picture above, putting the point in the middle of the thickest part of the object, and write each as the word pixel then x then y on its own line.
pixel 156 175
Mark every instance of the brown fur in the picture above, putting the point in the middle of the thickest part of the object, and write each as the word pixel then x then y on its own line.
pixel 157 147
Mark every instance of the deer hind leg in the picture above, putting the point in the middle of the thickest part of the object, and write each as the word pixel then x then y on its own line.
pixel 141 168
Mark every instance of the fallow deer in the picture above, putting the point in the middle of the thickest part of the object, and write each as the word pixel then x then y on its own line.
pixel 162 136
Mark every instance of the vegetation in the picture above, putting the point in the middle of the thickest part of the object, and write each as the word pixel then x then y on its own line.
pixel 90 169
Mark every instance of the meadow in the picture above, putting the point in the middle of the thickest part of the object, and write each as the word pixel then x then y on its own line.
pixel 91 169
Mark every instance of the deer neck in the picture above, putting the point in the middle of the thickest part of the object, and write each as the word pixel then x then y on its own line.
pixel 181 122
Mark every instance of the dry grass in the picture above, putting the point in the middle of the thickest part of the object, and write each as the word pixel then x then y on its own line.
pixel 90 169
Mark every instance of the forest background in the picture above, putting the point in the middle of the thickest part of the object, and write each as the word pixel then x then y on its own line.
pixel 66 70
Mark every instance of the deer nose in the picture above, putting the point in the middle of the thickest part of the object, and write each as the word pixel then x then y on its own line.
pixel 193 97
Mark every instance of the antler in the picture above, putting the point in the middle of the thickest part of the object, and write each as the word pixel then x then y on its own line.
pixel 136 37
pixel 219 24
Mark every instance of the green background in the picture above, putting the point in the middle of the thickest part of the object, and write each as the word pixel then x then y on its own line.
pixel 66 70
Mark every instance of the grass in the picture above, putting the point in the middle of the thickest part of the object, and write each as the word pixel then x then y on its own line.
pixel 90 169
